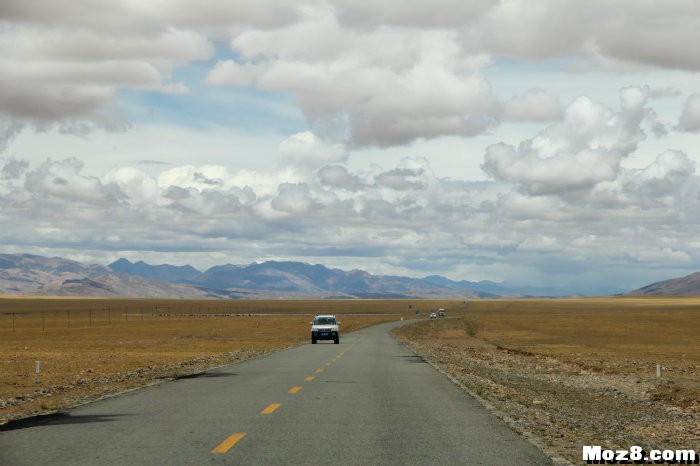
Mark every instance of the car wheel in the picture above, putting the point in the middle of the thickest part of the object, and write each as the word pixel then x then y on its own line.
pixel 336 341
pixel 313 341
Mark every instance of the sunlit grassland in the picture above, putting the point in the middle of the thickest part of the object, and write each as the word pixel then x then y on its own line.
pixel 105 336
pixel 613 335
pixel 656 330
pixel 75 338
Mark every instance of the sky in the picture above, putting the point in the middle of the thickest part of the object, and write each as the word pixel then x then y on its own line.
pixel 550 143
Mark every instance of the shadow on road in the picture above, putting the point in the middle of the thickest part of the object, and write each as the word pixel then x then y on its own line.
pixel 412 358
pixel 57 419
pixel 198 375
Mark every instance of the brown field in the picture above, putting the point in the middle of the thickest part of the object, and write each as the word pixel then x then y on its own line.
pixel 611 330
pixel 566 372
pixel 89 347
pixel 574 372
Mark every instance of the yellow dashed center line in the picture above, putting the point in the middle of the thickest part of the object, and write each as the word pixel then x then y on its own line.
pixel 233 439
pixel 270 409
pixel 226 445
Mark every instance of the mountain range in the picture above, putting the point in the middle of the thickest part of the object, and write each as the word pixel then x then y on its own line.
pixel 683 286
pixel 27 274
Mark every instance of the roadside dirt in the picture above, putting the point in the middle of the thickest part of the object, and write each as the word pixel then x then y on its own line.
pixel 91 385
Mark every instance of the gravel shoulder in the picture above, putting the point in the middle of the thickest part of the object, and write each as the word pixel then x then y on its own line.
pixel 563 404
pixel 90 386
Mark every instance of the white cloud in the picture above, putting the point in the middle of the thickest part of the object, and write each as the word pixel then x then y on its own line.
pixel 135 184
pixel 540 243
pixel 335 176
pixel 228 72
pixel 609 32
pixel 305 150
pixel 690 118
pixel 56 74
pixel 535 105
pixel 293 199
pixel 61 183
pixel 671 165
pixel 585 149
pixel 367 87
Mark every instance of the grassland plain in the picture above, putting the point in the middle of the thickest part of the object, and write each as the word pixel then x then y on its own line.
pixel 574 372
pixel 90 348
pixel 567 372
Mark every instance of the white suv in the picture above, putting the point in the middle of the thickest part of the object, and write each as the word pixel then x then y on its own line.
pixel 325 327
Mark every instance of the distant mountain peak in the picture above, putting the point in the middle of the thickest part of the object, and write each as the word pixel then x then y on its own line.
pixel 120 262
pixel 165 272
pixel 683 286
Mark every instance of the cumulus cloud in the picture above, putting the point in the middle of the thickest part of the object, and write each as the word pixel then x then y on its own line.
pixel 61 183
pixel 56 74
pixel 403 211
pixel 401 179
pixel 8 130
pixel 690 118
pixel 306 150
pixel 540 243
pixel 664 183
pixel 228 72
pixel 369 86
pixel 585 149
pixel 535 105
pixel 138 187
pixel 14 169
pixel 609 32
pixel 337 176
pixel 293 199
pixel 382 75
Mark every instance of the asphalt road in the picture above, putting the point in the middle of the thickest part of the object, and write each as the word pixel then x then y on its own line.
pixel 368 400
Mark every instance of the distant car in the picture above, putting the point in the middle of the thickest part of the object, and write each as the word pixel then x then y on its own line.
pixel 325 327
pixel 433 315
pixel 441 313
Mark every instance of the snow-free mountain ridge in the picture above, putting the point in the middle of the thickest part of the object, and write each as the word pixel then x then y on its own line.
pixel 37 275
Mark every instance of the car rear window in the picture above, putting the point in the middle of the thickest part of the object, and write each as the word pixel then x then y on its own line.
pixel 324 321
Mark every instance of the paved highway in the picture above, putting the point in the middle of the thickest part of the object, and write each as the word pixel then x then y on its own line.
pixel 368 400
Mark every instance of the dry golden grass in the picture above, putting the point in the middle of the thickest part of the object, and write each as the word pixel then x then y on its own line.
pixel 653 330
pixel 83 343
pixel 616 335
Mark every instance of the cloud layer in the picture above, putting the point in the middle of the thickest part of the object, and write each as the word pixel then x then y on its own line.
pixel 558 200
pixel 571 184
pixel 364 74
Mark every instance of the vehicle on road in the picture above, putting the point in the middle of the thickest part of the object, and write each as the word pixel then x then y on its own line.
pixel 441 312
pixel 433 315
pixel 325 327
